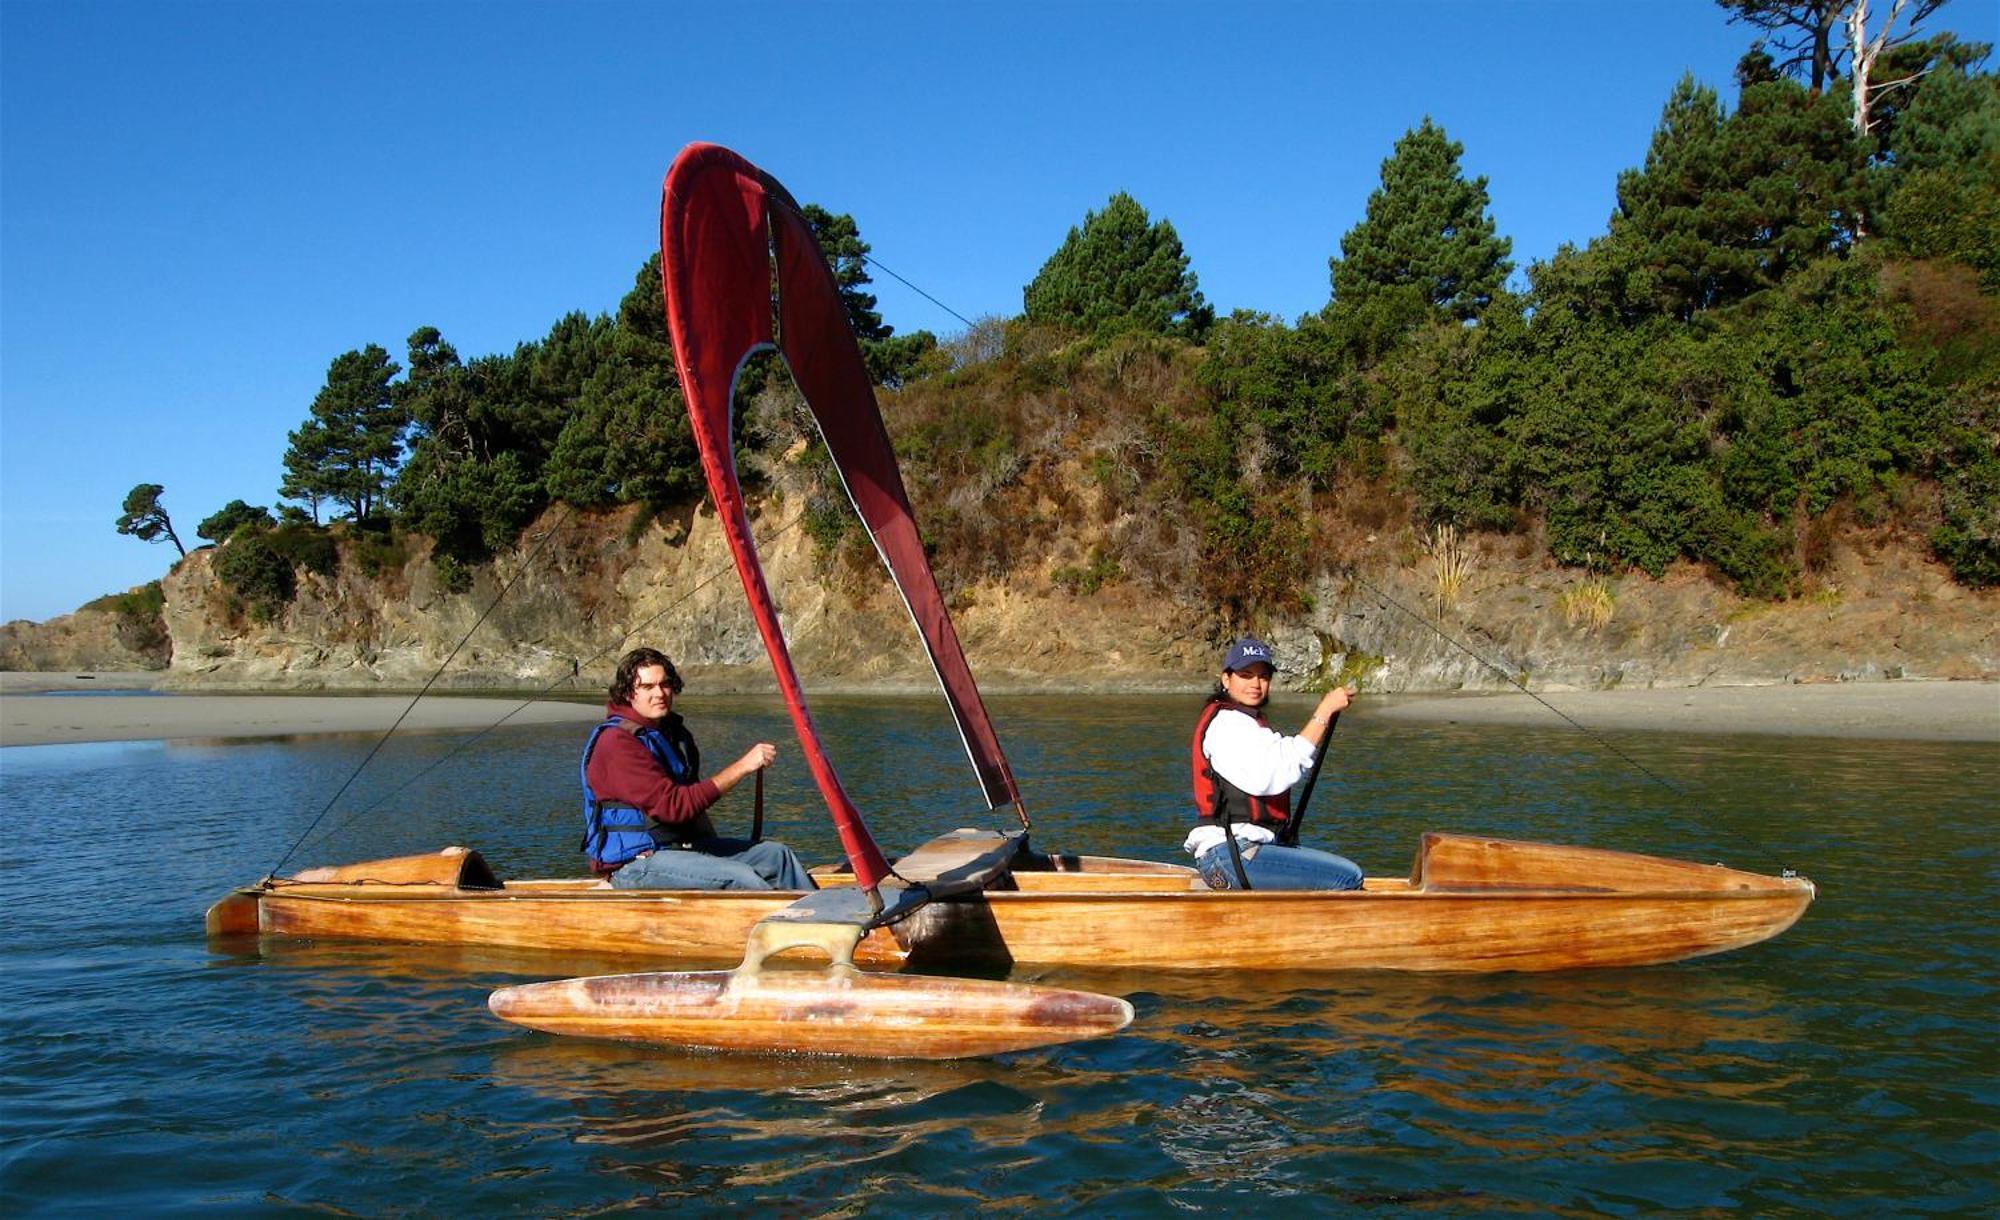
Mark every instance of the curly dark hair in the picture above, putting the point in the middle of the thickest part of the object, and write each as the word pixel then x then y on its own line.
pixel 628 672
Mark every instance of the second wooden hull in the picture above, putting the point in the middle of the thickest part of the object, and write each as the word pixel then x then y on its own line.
pixel 1473 905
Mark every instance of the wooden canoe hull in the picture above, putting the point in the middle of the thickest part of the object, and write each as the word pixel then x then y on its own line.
pixel 1472 905
pixel 813 1012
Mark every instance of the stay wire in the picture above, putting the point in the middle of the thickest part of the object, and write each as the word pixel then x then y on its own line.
pixel 871 261
pixel 1669 785
pixel 1634 763
pixel 467 743
pixel 417 698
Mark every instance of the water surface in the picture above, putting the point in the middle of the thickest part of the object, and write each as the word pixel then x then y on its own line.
pixel 1846 1068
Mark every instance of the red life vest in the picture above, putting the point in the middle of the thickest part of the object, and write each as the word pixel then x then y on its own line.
pixel 1212 793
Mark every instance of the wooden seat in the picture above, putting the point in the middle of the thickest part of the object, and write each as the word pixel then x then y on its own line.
pixel 961 861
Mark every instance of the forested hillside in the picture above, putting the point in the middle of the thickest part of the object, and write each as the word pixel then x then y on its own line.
pixel 1787 335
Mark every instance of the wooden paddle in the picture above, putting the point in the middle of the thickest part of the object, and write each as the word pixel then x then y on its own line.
pixel 1290 835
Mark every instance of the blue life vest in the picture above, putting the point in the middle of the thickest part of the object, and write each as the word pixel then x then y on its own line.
pixel 613 831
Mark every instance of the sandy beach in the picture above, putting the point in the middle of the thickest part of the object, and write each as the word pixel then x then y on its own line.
pixel 55 714
pixel 49 709
pixel 1904 710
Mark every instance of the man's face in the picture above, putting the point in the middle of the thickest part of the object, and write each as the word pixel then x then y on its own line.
pixel 651 697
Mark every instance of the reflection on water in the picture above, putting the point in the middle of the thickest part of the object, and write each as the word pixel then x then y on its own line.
pixel 1847 1062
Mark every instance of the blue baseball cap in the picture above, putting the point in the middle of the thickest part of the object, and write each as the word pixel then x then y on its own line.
pixel 1247 652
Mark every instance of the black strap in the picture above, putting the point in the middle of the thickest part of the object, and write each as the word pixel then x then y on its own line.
pixel 1221 814
pixel 757 815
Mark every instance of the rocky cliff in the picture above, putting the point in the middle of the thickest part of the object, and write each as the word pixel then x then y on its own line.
pixel 93 638
pixel 1412 614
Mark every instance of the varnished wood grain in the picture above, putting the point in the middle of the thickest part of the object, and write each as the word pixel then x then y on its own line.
pixel 1478 905
pixel 834 1012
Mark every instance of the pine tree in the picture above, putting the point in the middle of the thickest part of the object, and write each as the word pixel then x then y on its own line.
pixel 847 257
pixel 1426 234
pixel 627 439
pixel 348 450
pixel 891 358
pixel 1725 206
pixel 1943 178
pixel 145 518
pixel 1119 271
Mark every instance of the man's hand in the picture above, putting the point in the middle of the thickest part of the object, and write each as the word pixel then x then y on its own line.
pixel 758 757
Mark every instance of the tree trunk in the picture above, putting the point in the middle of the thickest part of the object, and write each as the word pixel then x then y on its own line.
pixel 1824 20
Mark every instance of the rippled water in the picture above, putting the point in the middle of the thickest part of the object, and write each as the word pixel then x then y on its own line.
pixel 1846 1068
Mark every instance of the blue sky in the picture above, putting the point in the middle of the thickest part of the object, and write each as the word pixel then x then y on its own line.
pixel 201 204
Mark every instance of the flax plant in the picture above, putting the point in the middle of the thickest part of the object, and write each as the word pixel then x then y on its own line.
pixel 1589 605
pixel 1451 567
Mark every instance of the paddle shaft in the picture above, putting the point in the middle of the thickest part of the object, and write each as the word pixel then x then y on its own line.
pixel 757 809
pixel 1220 812
pixel 1290 836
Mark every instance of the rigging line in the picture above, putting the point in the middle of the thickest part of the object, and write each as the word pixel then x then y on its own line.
pixel 871 261
pixel 526 564
pixel 468 742
pixel 1519 685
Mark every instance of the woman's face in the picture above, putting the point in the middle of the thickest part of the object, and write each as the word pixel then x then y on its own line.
pixel 1249 686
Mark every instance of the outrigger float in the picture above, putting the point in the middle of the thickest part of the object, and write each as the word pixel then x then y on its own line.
pixel 863 966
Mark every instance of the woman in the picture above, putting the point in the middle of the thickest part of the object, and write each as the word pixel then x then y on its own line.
pixel 1245 769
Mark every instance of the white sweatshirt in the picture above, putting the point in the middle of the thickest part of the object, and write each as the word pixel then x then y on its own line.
pixel 1259 760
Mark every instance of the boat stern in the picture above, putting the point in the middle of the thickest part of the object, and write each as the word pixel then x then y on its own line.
pixel 237 914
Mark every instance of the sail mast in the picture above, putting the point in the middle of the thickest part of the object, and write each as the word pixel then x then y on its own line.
pixel 721 222
pixel 715 272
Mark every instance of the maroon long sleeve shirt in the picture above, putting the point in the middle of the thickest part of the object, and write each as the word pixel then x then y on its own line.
pixel 623 770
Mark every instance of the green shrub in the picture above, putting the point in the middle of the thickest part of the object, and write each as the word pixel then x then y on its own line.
pixel 234 516
pixel 1968 537
pixel 305 546
pixel 252 567
pixel 140 622
pixel 452 575
pixel 1088 579
pixel 376 553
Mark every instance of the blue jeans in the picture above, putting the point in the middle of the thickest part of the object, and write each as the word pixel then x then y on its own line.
pixel 716 864
pixel 1272 866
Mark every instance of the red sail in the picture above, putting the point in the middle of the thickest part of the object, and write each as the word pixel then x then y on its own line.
pixel 721 219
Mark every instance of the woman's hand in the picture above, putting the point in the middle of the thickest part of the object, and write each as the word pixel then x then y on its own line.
pixel 1331 704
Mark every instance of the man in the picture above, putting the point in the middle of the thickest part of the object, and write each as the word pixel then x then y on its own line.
pixel 645 805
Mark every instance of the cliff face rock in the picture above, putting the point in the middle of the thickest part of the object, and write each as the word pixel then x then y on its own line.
pixel 578 593
pixel 88 639
pixel 580 589
pixel 1882 614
